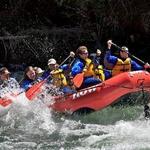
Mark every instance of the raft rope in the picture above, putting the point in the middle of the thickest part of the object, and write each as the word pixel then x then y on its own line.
pixel 143 93
pixel 141 86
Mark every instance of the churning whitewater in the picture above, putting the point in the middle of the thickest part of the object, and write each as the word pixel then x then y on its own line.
pixel 32 125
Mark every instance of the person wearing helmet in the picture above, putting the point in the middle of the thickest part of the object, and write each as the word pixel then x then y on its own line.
pixel 57 76
pixel 123 63
pixel 52 65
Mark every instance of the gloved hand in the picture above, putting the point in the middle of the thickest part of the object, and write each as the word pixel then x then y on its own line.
pixel 72 54
pixel 147 65
pixel 109 43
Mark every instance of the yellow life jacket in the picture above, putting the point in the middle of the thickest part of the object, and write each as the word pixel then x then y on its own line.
pixel 100 73
pixel 59 80
pixel 89 68
pixel 121 66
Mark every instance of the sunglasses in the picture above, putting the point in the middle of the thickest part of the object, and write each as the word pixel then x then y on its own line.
pixel 84 53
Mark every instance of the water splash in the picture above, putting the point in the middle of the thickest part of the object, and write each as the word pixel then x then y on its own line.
pixel 32 125
pixel 25 122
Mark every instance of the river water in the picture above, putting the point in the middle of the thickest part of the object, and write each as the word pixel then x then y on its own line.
pixel 33 125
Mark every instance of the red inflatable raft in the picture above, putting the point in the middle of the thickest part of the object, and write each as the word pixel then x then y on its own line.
pixel 95 97
pixel 104 94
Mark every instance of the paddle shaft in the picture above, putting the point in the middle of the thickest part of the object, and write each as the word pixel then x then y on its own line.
pixel 49 75
pixel 65 60
pixel 141 61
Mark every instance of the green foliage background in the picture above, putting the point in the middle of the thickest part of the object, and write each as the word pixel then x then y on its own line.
pixel 53 28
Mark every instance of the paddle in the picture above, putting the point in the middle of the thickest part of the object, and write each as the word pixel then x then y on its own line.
pixel 78 79
pixel 72 54
pixel 31 92
pixel 141 61
pixel 36 87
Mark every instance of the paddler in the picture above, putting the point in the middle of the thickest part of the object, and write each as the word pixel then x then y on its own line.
pixel 123 63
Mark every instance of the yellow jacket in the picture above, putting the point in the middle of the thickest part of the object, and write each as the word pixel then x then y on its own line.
pixel 90 70
pixel 121 66
pixel 59 80
pixel 100 73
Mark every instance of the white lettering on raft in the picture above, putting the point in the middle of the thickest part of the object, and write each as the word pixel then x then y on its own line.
pixel 82 93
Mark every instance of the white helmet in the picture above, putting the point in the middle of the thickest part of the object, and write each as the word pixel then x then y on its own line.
pixel 51 61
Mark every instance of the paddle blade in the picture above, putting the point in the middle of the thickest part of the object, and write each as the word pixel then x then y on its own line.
pixel 34 90
pixel 78 79
pixel 5 102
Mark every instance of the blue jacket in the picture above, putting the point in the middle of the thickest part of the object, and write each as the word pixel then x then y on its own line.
pixel 112 60
pixel 46 74
pixel 77 66
pixel 26 84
